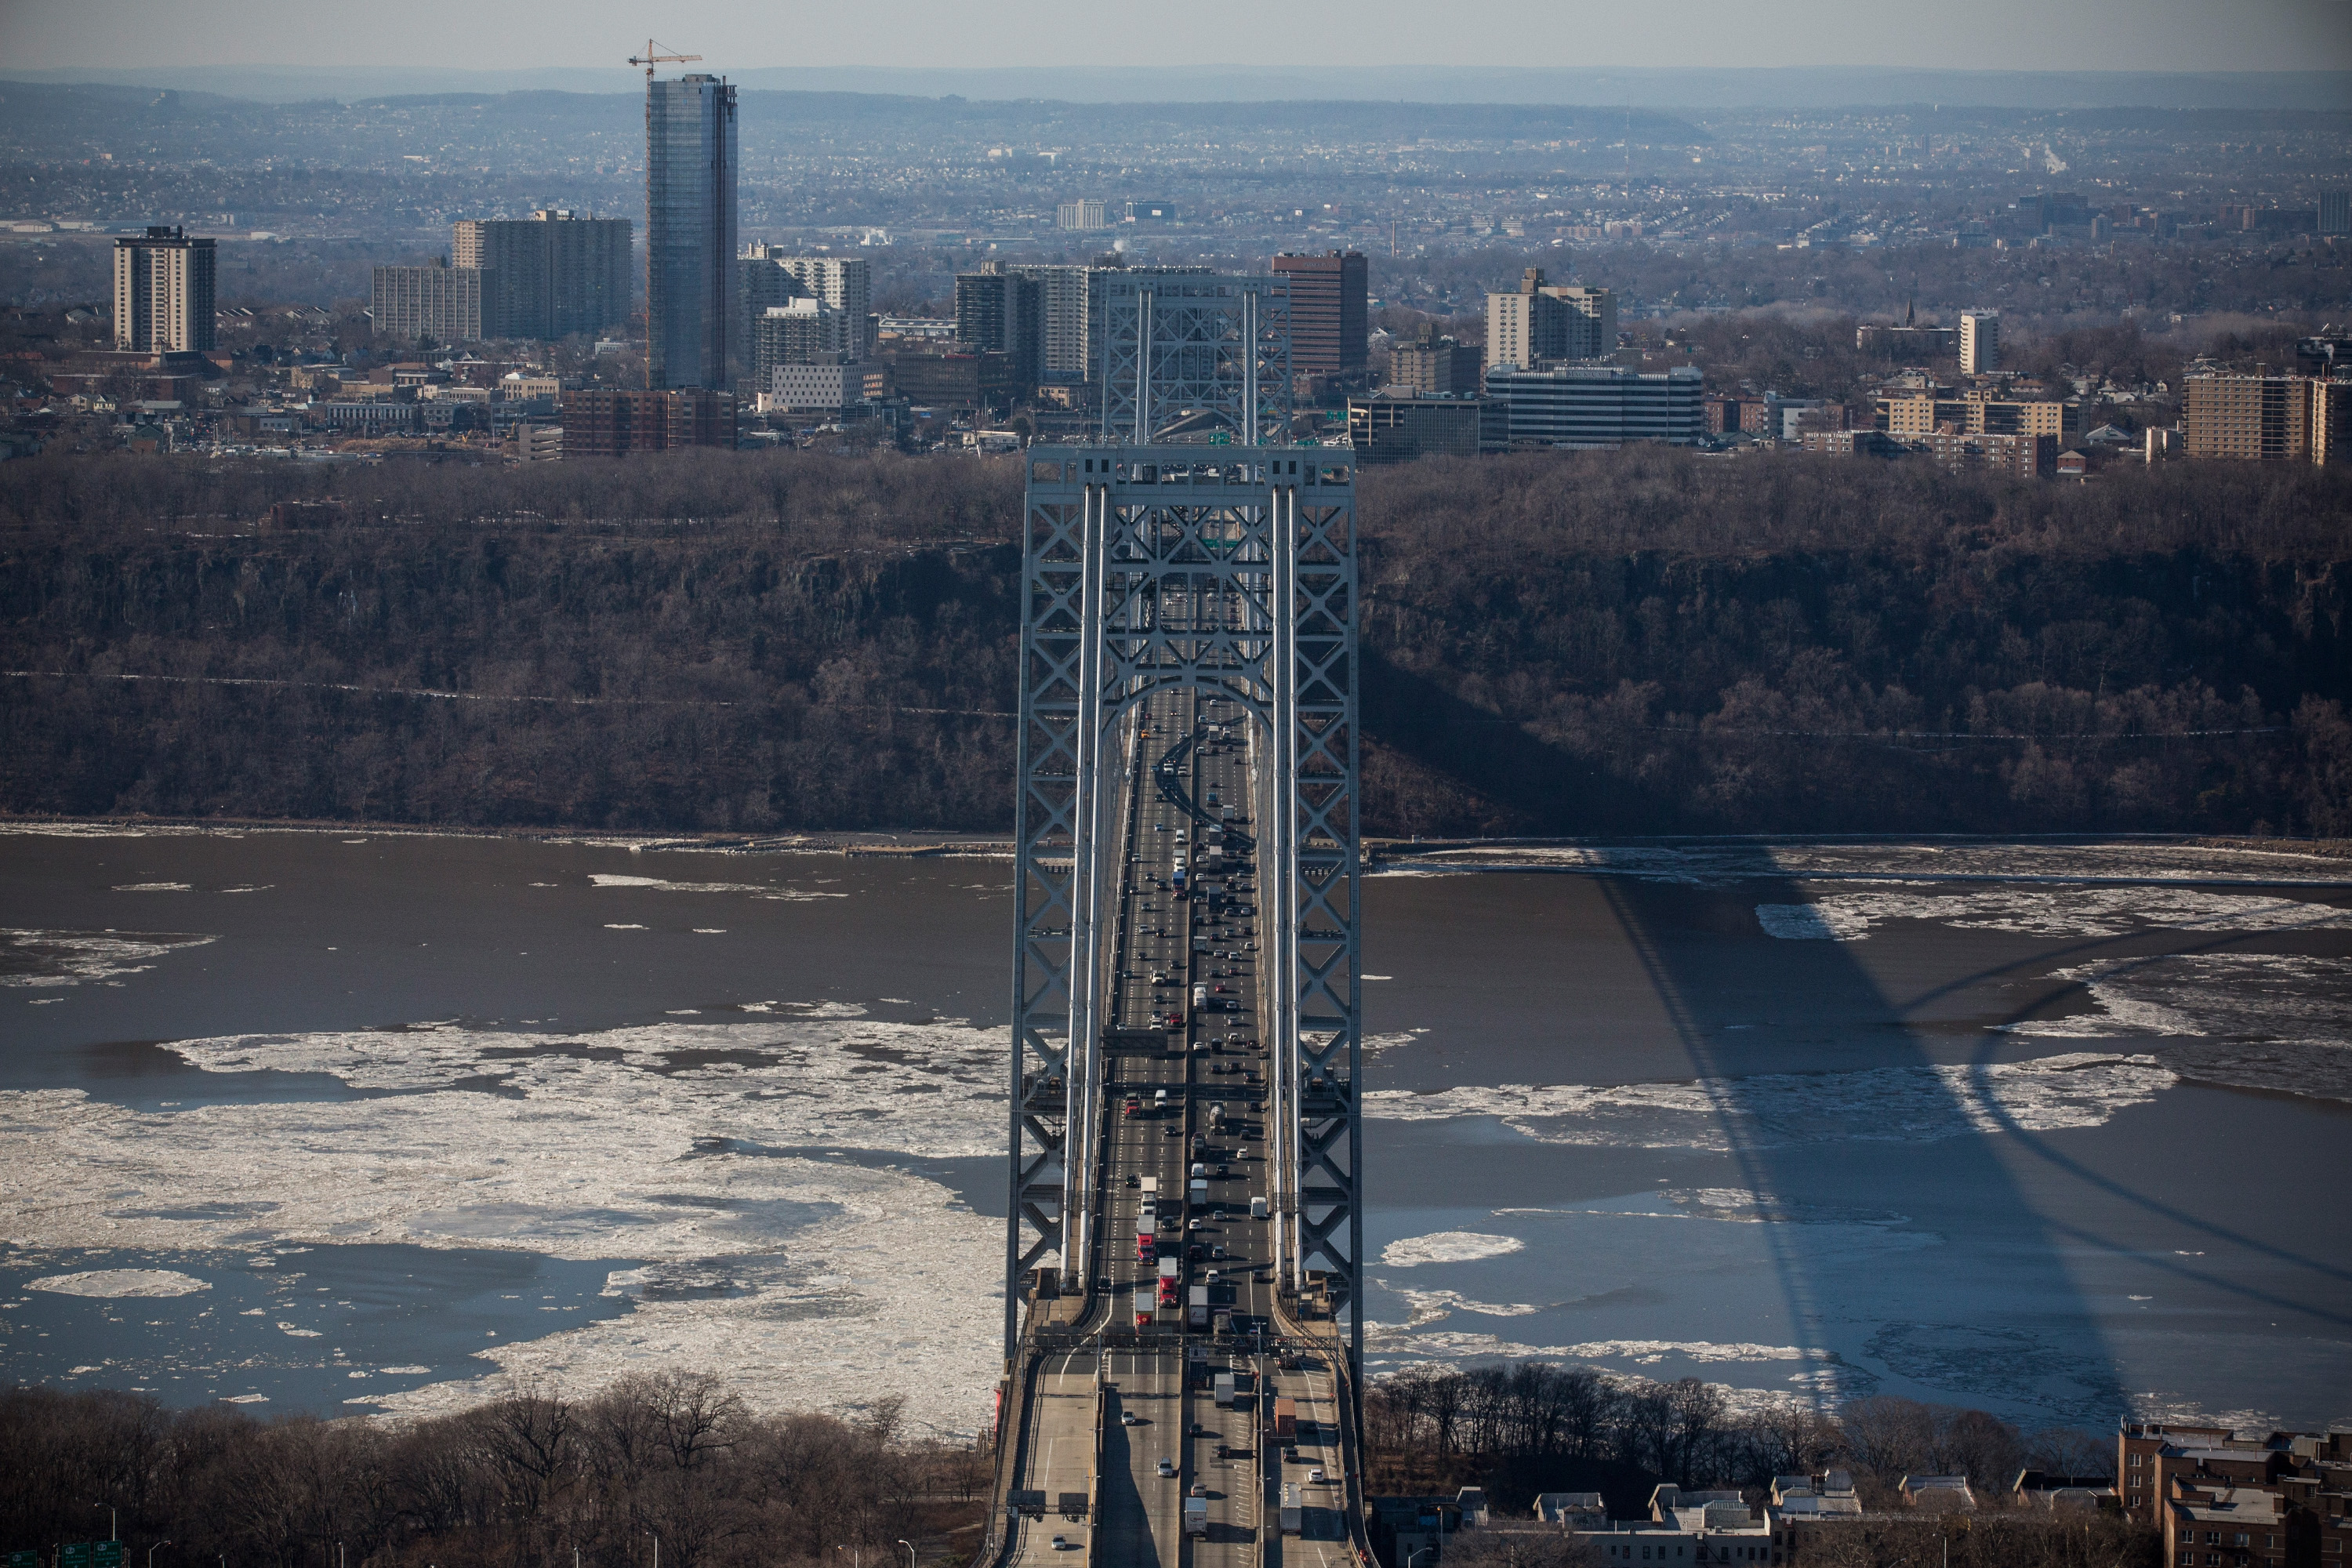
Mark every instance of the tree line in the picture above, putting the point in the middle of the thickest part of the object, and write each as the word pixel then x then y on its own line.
pixel 1643 641
pixel 532 1476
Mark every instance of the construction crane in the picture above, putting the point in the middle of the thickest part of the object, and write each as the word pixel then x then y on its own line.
pixel 653 56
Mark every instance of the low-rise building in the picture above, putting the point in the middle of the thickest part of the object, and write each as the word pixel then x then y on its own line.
pixel 1724 1531
pixel 1939 1494
pixel 614 422
pixel 1580 407
pixel 1396 428
pixel 1434 366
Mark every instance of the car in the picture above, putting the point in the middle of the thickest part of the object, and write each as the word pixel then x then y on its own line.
pixel 1129 1418
pixel 1133 1180
pixel 1313 1476
pixel 1195 1224
pixel 1103 1285
pixel 1200 1489
pixel 1061 1543
pixel 1167 1469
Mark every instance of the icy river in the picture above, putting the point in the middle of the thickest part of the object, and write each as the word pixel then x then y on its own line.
pixel 362 1122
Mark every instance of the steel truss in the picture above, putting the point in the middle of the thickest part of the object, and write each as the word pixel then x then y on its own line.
pixel 1200 351
pixel 1232 571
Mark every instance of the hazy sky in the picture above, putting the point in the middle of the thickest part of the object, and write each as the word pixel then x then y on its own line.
pixel 2029 34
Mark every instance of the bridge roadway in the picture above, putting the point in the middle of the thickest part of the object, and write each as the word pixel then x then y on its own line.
pixel 1138 1368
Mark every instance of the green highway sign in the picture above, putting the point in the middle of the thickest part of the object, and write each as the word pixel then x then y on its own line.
pixel 74 1554
pixel 24 1559
pixel 106 1555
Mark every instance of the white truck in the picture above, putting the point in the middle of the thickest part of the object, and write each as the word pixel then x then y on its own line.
pixel 1293 1511
pixel 1257 1206
pixel 1196 1516
pixel 1197 1312
pixel 1224 1387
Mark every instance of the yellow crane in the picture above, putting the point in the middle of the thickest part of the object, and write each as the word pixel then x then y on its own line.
pixel 653 56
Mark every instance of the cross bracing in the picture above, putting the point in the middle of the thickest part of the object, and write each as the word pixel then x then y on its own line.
pixel 1232 571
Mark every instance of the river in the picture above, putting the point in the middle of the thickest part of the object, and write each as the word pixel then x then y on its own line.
pixel 356 1121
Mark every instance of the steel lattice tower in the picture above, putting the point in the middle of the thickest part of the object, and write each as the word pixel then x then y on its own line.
pixel 1231 570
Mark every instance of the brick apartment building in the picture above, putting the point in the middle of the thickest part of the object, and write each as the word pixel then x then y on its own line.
pixel 614 422
pixel 2282 1500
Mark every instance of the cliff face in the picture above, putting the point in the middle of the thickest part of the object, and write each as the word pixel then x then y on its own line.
pixel 1618 643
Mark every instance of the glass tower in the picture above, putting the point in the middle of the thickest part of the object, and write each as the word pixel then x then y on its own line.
pixel 689 231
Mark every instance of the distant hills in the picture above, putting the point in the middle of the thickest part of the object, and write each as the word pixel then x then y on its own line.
pixel 1840 87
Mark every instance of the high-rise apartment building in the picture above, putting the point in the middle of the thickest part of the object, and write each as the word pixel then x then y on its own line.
pixel 1002 311
pixel 1579 406
pixel 2336 212
pixel 2269 418
pixel 691 162
pixel 1328 325
pixel 1084 213
pixel 553 274
pixel 164 292
pixel 1063 316
pixel 1980 343
pixel 440 303
pixel 768 276
pixel 805 330
pixel 1540 323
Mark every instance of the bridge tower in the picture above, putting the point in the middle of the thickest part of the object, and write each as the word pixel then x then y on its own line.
pixel 1229 569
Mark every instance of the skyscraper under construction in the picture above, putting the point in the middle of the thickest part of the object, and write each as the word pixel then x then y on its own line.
pixel 691 162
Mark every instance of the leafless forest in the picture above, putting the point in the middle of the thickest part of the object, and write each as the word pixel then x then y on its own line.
pixel 1632 642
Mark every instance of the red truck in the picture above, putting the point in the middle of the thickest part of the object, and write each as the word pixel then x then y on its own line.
pixel 1171 1276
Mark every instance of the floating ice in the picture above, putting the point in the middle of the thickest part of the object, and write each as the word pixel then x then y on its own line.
pixel 1725 862
pixel 112 1283
pixel 71 957
pixel 1431 1306
pixel 2050 911
pixel 154 888
pixel 1912 1104
pixel 673 1145
pixel 757 889
pixel 1811 923
pixel 1448 1246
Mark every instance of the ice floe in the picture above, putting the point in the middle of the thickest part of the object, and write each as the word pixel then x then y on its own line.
pixel 688 1152
pixel 112 1283
pixel 757 889
pixel 74 957
pixel 1448 1246
pixel 1723 862
pixel 2051 911
pixel 1907 1104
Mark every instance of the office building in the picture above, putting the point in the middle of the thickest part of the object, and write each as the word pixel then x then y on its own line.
pixel 767 275
pixel 1434 365
pixel 436 304
pixel 2336 212
pixel 1328 324
pixel 1539 324
pixel 813 388
pixel 164 284
pixel 1910 342
pixel 960 379
pixel 1001 312
pixel 1394 427
pixel 1576 407
pixel 1151 212
pixel 614 422
pixel 691 162
pixel 1082 213
pixel 1980 343
pixel 552 275
pixel 1063 313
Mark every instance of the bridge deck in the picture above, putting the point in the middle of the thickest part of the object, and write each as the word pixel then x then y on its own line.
pixel 1158 1373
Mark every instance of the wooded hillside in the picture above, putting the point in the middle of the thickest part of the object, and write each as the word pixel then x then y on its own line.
pixel 1643 641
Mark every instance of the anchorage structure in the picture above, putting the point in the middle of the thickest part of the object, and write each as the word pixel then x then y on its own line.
pixel 1230 571
pixel 1188 352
